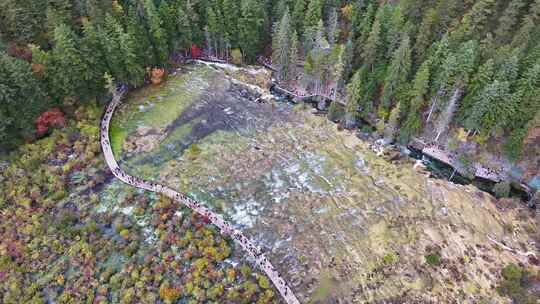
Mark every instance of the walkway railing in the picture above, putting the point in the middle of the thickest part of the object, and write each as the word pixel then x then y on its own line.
pixel 298 92
pixel 226 228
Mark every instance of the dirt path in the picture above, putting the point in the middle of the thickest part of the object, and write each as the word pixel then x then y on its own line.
pixel 216 219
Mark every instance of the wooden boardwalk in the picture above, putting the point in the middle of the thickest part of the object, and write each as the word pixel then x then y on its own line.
pixel 226 228
pixel 297 93
pixel 305 96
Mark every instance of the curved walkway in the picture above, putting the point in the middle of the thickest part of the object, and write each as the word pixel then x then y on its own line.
pixel 216 219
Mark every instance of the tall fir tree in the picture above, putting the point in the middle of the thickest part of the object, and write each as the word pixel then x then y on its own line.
pixel 481 79
pixel 492 108
pixel 354 93
pixel 158 36
pixel 509 20
pixel 184 29
pixel 528 93
pixel 136 28
pixel 364 88
pixel 425 35
pixel 96 10
pixel 413 121
pixel 23 21
pixel 475 23
pixel 360 31
pixel 59 13
pixel 68 66
pixel 294 56
pixel 333 27
pixel 251 26
pixel 393 29
pixel 22 99
pixel 524 37
pixel 214 30
pixel 298 15
pixel 347 65
pixel 371 49
pixel 527 106
pixel 122 53
pixel 94 54
pixel 168 16
pixel 230 18
pixel 392 127
pixel 282 47
pixel 398 73
pixel 313 13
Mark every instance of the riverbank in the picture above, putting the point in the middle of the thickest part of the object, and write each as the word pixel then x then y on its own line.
pixel 485 177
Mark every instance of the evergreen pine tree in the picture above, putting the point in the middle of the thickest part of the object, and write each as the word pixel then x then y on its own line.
pixel 136 28
pixel 111 42
pixel 168 17
pixel 23 20
pixel 68 65
pixel 361 29
pixel 294 58
pixel 354 93
pixel 214 30
pixel 320 51
pixel 282 48
pixel 313 14
pixel 122 53
pixel 522 39
pixel 475 23
pixel 492 109
pixel 22 99
pixel 251 26
pixel 58 14
pixel 483 77
pixel 457 67
pixel 333 27
pixel 230 18
pixel 398 73
pixel 496 104
pixel 373 44
pixel 158 35
pixel 184 28
pixel 425 35
pixel 393 30
pixel 347 65
pixel 528 93
pixel 509 21
pixel 413 121
pixel 362 87
pixel 298 15
pixel 392 127
pixel 97 9
pixel 95 57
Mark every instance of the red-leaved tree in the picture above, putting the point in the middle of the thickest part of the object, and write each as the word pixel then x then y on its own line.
pixel 54 118
pixel 195 51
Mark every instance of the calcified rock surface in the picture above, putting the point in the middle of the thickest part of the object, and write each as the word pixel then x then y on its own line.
pixel 348 226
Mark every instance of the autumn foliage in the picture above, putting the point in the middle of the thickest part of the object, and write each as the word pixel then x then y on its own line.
pixel 195 51
pixel 53 118
pixel 19 51
pixel 157 75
